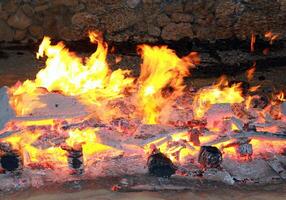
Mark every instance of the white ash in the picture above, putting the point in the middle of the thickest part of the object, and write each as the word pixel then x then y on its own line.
pixel 6 111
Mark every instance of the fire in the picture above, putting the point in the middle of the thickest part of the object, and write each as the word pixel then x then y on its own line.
pixel 90 79
pixel 250 72
pixel 161 68
pixel 218 93
pixel 271 37
pixel 252 42
pixel 88 140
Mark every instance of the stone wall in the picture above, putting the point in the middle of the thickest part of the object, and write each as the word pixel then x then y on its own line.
pixel 140 20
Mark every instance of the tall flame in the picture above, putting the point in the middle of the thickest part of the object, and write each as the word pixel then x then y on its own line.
pixel 65 71
pixel 161 68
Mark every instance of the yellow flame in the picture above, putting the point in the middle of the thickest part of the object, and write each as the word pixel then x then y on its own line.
pixel 161 68
pixel 218 93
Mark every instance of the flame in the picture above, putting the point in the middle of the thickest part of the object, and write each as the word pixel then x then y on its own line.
pixel 280 96
pixel 218 93
pixel 90 79
pixel 271 37
pixel 250 72
pixel 252 43
pixel 88 140
pixel 161 68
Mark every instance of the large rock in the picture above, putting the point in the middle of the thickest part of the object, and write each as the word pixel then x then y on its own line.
pixel 84 19
pixel 120 20
pixel 19 20
pixel 6 33
pixel 20 35
pixel 36 31
pixel 177 31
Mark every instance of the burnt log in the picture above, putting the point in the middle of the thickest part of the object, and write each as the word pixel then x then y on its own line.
pixel 210 157
pixel 160 165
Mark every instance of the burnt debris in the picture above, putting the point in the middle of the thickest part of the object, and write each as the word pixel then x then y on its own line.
pixel 10 159
pixel 160 165
pixel 75 159
pixel 210 157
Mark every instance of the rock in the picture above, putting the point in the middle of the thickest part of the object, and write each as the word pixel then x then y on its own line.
pixel 64 2
pixel 180 17
pixel 163 20
pixel 83 19
pixel 20 35
pixel 120 20
pixel 28 10
pixel 3 14
pixel 6 33
pixel 10 6
pixel 177 31
pixel 133 3
pixel 36 31
pixel 41 8
pixel 173 6
pixel 6 111
pixel 153 30
pixel 19 20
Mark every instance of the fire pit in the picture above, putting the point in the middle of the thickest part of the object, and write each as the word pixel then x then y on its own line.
pixel 79 120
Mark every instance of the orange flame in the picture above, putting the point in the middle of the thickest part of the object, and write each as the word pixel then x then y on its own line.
pixel 250 72
pixel 252 43
pixel 161 68
pixel 218 93
pixel 271 37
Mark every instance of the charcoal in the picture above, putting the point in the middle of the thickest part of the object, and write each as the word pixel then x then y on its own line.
pixel 160 165
pixel 210 157
pixel 75 159
pixel 194 137
pixel 11 162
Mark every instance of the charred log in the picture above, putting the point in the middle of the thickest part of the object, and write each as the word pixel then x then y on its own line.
pixel 10 159
pixel 75 159
pixel 160 165
pixel 210 157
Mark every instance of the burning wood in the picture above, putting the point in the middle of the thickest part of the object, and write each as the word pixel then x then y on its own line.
pixel 87 120
pixel 210 157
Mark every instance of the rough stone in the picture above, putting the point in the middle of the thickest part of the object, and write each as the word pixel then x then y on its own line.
pixel 84 19
pixel 19 20
pixel 6 33
pixel 133 3
pixel 96 7
pixel 36 31
pixel 3 15
pixel 154 30
pixel 41 8
pixel 180 17
pixel 120 20
pixel 19 35
pixel 173 6
pixel 10 6
pixel 28 10
pixel 64 2
pixel 163 20
pixel 177 31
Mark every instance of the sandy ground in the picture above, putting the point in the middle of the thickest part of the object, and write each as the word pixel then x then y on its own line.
pixel 22 65
pixel 270 192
